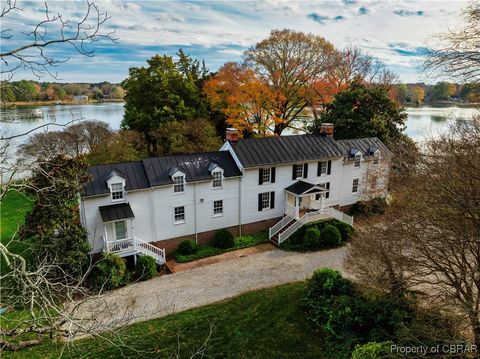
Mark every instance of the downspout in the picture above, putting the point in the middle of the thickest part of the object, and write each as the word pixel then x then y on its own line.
pixel 195 209
pixel 240 207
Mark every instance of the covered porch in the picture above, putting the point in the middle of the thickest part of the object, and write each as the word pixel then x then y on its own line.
pixel 303 197
pixel 119 235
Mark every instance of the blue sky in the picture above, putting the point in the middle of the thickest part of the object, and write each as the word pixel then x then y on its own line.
pixel 395 32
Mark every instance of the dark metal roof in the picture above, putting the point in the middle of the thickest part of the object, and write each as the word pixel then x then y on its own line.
pixel 196 167
pixel 364 145
pixel 116 212
pixel 157 171
pixel 253 152
pixel 302 187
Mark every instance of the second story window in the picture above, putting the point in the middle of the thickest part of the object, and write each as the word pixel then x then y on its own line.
pixel 179 214
pixel 266 175
pixel 178 184
pixel 299 171
pixel 117 191
pixel 358 159
pixel 217 179
pixel 218 207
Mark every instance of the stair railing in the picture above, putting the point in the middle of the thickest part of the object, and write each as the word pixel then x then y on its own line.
pixel 282 223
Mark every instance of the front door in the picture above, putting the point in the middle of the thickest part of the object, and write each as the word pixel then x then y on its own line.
pixel 120 228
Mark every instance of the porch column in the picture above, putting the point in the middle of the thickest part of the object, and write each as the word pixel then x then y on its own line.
pixel 322 196
pixel 105 237
pixel 297 207
pixel 285 205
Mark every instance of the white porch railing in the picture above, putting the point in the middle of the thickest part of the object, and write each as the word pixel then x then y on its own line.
pixel 284 221
pixel 134 245
pixel 313 217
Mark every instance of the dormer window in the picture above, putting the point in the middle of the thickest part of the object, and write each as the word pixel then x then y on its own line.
pixel 358 158
pixel 117 191
pixel 217 179
pixel 376 158
pixel 178 184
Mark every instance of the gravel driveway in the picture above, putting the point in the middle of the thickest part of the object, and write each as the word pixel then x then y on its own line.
pixel 172 293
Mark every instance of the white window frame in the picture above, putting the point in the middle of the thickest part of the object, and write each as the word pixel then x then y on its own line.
pixel 217 178
pixel 267 175
pixel 116 192
pixel 218 205
pixel 125 230
pixel 266 200
pixel 301 171
pixel 181 220
pixel 355 184
pixel 376 158
pixel 323 168
pixel 178 183
pixel 358 160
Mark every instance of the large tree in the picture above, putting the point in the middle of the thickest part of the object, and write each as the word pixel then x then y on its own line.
pixel 430 242
pixel 457 55
pixel 279 81
pixel 163 91
pixel 365 111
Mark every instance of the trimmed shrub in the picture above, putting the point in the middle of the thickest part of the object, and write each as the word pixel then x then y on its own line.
pixel 188 246
pixel 223 239
pixel 345 230
pixel 373 350
pixel 110 272
pixel 312 238
pixel 331 236
pixel 327 282
pixel 146 267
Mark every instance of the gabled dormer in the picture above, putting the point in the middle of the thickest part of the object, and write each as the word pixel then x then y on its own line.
pixel 356 155
pixel 116 184
pixel 178 178
pixel 217 175
pixel 375 152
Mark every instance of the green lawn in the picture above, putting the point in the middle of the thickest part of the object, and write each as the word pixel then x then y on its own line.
pixel 13 209
pixel 261 324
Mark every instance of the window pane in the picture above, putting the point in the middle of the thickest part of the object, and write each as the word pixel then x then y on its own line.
pixel 117 191
pixel 217 179
pixel 178 184
pixel 218 207
pixel 265 200
pixel 179 213
pixel 266 175
pixel 355 185
pixel 299 171
pixel 120 230
pixel 357 161
pixel 323 169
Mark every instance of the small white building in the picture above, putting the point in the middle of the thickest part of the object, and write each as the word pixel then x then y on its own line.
pixel 280 183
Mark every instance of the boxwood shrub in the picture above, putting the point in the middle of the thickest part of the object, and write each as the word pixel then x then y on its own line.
pixel 146 267
pixel 110 272
pixel 223 239
pixel 188 246
pixel 312 238
pixel 331 236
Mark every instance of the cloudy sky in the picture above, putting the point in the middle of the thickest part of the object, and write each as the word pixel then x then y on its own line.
pixel 395 32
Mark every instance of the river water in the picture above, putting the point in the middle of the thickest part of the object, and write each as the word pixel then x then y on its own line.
pixel 422 121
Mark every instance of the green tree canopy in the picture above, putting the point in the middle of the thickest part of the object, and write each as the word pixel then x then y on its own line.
pixel 365 111
pixel 164 91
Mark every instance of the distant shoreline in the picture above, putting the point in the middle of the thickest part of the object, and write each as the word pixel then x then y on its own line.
pixel 55 103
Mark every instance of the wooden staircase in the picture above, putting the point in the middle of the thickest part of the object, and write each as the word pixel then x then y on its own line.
pixel 274 238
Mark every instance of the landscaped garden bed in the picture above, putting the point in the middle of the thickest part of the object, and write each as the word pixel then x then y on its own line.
pixel 318 235
pixel 189 251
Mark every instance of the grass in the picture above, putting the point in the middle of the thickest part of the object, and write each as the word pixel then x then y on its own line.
pixel 13 209
pixel 208 250
pixel 267 323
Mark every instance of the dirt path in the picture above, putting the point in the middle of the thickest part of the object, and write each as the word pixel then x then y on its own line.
pixel 187 289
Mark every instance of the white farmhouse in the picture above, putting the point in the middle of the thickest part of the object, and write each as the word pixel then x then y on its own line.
pixel 280 183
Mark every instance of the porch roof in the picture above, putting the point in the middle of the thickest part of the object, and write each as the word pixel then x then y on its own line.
pixel 116 212
pixel 302 187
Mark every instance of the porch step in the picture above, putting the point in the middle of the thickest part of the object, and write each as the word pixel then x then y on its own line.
pixel 274 239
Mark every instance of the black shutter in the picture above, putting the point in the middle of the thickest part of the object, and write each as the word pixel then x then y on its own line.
pixel 272 174
pixel 294 172
pixel 329 167
pixel 272 199
pixel 259 202
pixel 319 169
pixel 327 195
pixel 260 176
pixel 305 170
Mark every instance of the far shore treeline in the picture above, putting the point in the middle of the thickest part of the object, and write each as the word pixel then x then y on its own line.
pixel 34 91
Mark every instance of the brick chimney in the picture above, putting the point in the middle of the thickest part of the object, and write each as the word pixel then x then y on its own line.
pixel 326 129
pixel 231 135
